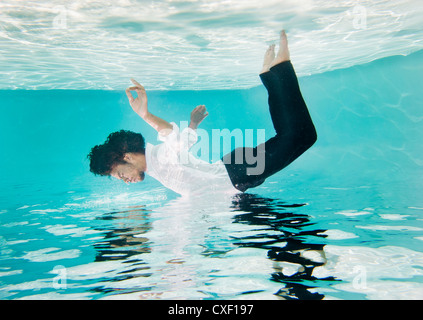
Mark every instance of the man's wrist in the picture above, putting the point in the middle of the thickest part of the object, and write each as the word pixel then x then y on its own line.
pixel 145 115
pixel 193 126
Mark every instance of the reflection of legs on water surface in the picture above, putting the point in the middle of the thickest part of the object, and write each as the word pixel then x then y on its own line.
pixel 294 247
pixel 295 132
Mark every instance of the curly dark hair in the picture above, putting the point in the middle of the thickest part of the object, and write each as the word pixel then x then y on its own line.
pixel 104 156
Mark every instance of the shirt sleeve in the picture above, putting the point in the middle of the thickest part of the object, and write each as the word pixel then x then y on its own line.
pixel 176 140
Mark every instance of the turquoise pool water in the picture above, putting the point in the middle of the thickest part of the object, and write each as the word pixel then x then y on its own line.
pixel 344 221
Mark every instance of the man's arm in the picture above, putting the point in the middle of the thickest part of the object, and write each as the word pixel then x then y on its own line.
pixel 140 106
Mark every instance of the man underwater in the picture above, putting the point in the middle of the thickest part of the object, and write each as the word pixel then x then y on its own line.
pixel 125 155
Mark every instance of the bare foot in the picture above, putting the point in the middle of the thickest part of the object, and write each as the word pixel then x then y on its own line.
pixel 283 53
pixel 269 56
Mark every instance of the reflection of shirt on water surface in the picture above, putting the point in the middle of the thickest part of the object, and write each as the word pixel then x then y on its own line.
pixel 176 168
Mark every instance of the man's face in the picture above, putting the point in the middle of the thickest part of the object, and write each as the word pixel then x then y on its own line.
pixel 127 172
pixel 131 171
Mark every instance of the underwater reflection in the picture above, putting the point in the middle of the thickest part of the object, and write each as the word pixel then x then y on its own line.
pixel 125 238
pixel 293 244
pixel 121 249
pixel 175 250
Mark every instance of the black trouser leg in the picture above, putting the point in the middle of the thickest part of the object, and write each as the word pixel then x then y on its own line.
pixel 295 132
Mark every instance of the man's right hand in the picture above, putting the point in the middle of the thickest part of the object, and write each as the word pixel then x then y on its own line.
pixel 139 104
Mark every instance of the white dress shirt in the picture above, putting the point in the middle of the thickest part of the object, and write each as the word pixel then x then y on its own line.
pixel 176 168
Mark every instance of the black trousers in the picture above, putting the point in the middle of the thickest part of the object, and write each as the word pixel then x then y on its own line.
pixel 295 132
